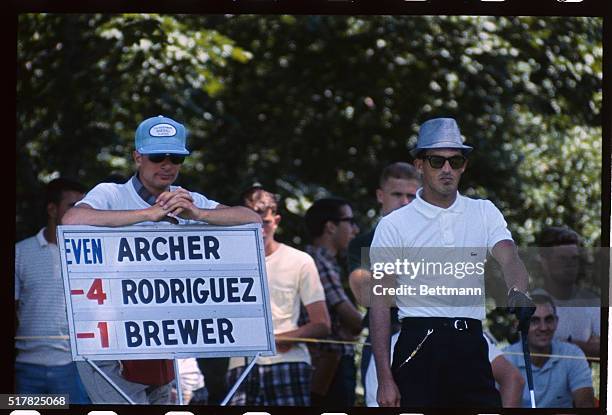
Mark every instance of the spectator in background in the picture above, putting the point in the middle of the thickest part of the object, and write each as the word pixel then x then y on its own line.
pixel 191 379
pixel 331 226
pixel 397 187
pixel 578 308
pixel 44 362
pixel 285 378
pixel 558 382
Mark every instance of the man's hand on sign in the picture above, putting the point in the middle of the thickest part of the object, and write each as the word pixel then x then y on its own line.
pixel 178 203
pixel 156 213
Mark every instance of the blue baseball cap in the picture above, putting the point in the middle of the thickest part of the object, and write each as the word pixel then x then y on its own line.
pixel 439 133
pixel 161 135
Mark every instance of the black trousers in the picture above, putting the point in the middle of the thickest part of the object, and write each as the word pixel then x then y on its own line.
pixel 451 369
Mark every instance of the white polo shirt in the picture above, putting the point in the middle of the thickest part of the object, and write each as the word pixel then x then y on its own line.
pixel 424 233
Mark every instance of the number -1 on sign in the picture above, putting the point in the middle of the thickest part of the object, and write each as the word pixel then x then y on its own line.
pixel 144 292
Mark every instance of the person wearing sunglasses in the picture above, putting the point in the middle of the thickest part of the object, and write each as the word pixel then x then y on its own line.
pixel 293 280
pixel 331 226
pixel 147 198
pixel 441 359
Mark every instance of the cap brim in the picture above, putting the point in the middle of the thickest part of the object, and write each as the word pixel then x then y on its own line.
pixel 163 150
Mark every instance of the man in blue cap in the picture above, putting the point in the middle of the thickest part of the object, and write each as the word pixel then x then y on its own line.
pixel 148 197
pixel 440 359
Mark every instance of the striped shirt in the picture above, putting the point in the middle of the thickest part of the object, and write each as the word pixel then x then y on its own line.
pixel 39 293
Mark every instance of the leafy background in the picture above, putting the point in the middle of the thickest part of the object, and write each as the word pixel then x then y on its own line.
pixel 311 106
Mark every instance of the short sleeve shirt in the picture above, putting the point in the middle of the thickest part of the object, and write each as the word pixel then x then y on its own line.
pixel 113 196
pixel 420 230
pixel 555 381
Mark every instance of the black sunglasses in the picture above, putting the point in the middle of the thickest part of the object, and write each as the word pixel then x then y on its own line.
pixel 174 158
pixel 437 162
pixel 351 220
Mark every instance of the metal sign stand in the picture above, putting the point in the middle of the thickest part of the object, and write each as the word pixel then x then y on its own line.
pixel 110 382
pixel 240 379
pixel 177 378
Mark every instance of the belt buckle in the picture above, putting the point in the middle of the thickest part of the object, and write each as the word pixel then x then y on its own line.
pixel 460 327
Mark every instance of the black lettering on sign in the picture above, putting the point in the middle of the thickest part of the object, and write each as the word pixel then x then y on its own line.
pixel 217 289
pixel 125 251
pixel 193 244
pixel 176 248
pixel 142 249
pixel 232 290
pixel 246 296
pixel 151 332
pixel 155 250
pixel 188 329
pixel 211 246
pixel 128 289
pixel 161 291
pixel 167 330
pixel 176 289
pixel 207 331
pixel 199 294
pixel 224 330
pixel 145 291
pixel 132 334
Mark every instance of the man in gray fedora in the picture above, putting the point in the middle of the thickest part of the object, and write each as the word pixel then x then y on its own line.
pixel 440 359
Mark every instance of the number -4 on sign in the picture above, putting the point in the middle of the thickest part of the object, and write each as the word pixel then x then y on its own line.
pixel 165 291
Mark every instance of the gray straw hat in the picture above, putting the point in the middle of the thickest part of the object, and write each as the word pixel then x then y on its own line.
pixel 439 133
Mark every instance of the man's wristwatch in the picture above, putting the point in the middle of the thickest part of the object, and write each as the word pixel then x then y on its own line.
pixel 514 289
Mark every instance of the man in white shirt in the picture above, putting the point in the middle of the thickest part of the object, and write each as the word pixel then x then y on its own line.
pixel 285 378
pixel 148 197
pixel 440 359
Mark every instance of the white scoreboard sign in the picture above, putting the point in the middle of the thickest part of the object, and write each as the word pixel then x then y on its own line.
pixel 165 291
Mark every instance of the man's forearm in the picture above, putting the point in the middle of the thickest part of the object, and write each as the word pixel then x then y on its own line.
pixel 112 218
pixel 308 330
pixel 228 216
pixel 515 273
pixel 380 334
pixel 590 348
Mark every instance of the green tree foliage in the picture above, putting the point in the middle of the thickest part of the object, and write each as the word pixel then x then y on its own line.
pixel 316 105
pixel 86 81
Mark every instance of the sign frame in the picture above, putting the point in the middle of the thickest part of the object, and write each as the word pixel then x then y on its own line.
pixel 65 231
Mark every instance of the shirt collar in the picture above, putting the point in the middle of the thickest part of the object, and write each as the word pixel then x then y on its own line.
pixel 147 196
pixel 40 237
pixel 554 351
pixel 431 211
pixel 142 191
